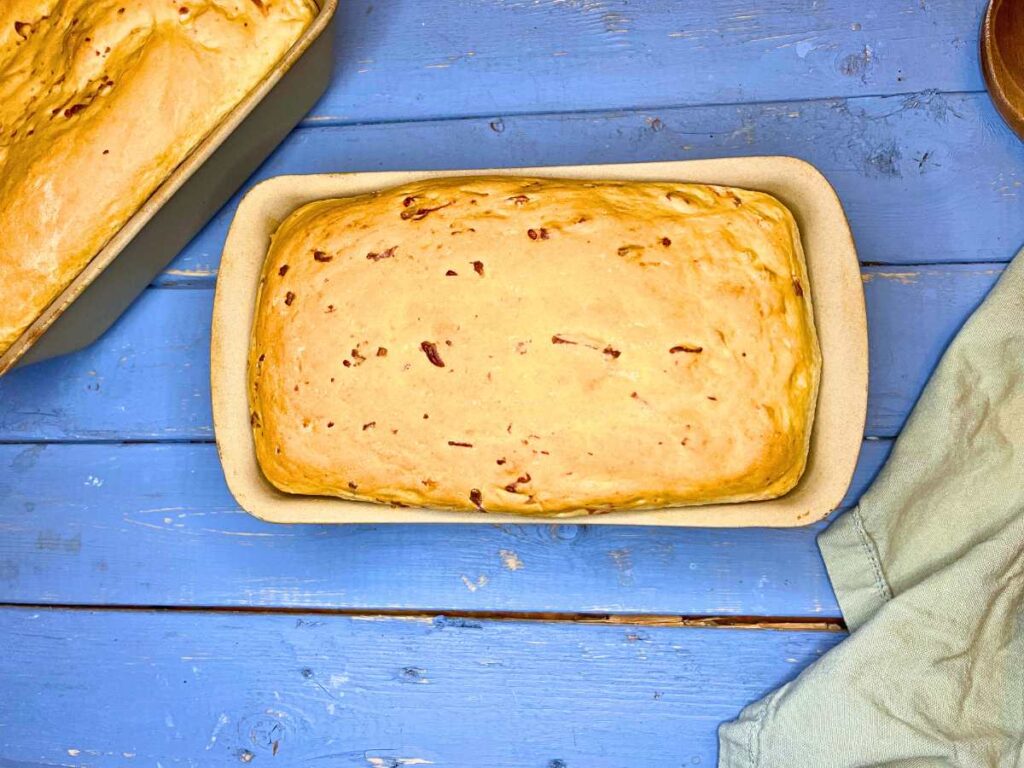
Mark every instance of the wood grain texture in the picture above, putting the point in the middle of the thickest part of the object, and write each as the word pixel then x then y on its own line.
pixel 924 178
pixel 121 689
pixel 103 524
pixel 148 378
pixel 408 60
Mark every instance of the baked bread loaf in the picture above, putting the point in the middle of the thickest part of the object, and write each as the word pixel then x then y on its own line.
pixel 99 101
pixel 535 346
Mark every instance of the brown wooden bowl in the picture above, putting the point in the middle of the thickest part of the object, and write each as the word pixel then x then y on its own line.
pixel 1002 59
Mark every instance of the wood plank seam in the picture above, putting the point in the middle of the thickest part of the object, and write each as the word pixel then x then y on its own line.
pixel 781 623
pixel 340 122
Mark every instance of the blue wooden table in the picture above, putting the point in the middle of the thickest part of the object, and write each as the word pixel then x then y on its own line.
pixel 148 621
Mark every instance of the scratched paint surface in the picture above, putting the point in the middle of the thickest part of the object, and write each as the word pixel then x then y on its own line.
pixel 402 59
pixel 204 689
pixel 111 493
pixel 155 525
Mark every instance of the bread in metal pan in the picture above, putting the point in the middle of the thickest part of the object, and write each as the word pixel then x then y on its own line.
pixel 99 101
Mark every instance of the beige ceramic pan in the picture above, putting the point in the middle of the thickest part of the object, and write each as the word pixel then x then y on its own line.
pixel 838 310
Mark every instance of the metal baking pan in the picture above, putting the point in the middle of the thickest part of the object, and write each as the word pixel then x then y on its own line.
pixel 182 205
pixel 839 314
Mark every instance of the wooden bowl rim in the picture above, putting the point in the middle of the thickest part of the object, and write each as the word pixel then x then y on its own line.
pixel 1005 87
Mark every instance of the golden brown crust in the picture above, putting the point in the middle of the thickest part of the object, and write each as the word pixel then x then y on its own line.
pixel 536 346
pixel 99 101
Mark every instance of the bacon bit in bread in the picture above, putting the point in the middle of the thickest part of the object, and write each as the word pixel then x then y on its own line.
pixel 639 399
pixel 421 213
pixel 369 425
pixel 389 253
pixel 283 270
pixel 458 444
pixel 321 256
pixel 478 267
pixel 430 350
pixel 512 487
pixel 477 498
pixel 686 348
pixel 289 298
pixel 607 350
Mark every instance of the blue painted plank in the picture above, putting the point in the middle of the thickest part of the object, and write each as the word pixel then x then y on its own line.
pixel 414 60
pixel 913 315
pixel 148 378
pixel 155 525
pixel 925 178
pixel 120 689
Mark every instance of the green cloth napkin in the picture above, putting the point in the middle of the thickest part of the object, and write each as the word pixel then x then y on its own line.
pixel 929 572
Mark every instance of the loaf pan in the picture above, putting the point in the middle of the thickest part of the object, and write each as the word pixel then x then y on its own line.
pixel 838 312
pixel 186 200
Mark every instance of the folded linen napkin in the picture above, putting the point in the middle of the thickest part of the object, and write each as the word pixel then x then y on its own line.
pixel 929 573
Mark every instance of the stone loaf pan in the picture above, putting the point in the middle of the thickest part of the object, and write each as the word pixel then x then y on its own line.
pixel 185 201
pixel 839 313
